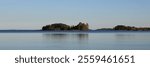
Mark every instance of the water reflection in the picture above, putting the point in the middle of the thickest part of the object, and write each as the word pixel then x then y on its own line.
pixel 124 36
pixel 66 36
pixel 75 41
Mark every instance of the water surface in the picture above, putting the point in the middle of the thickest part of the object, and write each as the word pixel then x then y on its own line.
pixel 75 41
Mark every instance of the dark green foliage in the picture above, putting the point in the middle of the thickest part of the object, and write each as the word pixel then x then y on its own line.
pixel 82 26
pixel 130 28
pixel 61 26
pixel 122 27
pixel 57 26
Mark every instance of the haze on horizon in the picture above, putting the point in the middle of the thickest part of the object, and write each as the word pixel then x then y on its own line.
pixel 33 14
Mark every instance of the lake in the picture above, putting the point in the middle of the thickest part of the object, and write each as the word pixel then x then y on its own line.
pixel 75 41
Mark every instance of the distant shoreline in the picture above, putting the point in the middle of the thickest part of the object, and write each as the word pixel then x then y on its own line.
pixel 66 31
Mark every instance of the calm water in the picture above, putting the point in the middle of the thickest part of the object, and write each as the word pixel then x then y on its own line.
pixel 75 41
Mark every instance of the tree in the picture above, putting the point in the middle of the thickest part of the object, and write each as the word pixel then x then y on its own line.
pixel 82 26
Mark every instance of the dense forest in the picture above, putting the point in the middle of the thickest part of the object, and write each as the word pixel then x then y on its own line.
pixel 61 26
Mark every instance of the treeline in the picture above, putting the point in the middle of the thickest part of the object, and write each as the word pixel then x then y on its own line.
pixel 127 28
pixel 61 26
pixel 85 27
pixel 131 28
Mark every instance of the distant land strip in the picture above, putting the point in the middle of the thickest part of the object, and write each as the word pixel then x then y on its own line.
pixel 81 27
pixel 66 31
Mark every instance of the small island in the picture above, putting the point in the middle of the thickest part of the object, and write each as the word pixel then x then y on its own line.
pixel 61 27
pixel 131 28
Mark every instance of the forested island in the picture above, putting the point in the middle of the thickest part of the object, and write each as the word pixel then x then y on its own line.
pixel 131 28
pixel 85 27
pixel 60 26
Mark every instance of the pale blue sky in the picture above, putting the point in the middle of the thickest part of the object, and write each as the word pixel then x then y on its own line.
pixel 33 14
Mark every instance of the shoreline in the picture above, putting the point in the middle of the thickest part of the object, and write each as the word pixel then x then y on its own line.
pixel 69 31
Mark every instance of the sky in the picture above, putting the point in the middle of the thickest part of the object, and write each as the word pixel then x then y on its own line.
pixel 33 14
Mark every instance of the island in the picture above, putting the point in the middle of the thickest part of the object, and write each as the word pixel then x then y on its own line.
pixel 131 28
pixel 60 26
